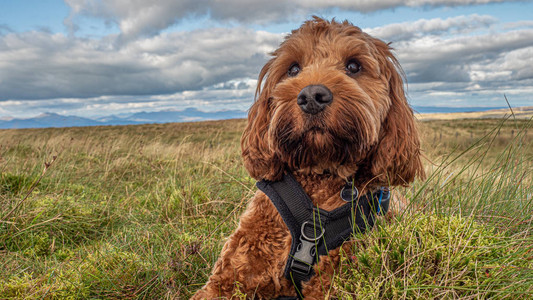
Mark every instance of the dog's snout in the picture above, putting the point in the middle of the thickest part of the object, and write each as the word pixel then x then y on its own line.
pixel 314 98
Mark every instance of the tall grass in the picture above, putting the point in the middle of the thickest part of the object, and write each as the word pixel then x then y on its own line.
pixel 124 212
pixel 471 233
pixel 143 211
pixel 494 187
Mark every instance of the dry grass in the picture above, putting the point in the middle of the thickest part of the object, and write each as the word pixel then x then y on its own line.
pixel 525 113
pixel 143 211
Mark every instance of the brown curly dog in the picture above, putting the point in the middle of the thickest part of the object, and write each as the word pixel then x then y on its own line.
pixel 332 108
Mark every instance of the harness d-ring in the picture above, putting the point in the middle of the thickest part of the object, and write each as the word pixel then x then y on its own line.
pixel 316 238
pixel 349 192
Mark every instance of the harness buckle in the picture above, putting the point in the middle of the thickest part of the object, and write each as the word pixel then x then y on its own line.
pixel 305 255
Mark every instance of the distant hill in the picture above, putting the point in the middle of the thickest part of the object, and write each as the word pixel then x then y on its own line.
pixel 166 116
pixel 444 109
pixel 193 114
pixel 48 120
pixel 187 115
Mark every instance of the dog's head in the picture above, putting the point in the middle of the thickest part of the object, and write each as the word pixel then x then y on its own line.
pixel 332 101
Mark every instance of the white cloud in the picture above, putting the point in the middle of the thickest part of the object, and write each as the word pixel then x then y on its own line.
pixel 38 65
pixel 434 27
pixel 472 50
pixel 140 17
pixel 519 62
pixel 371 5
pixel 232 95
pixel 453 58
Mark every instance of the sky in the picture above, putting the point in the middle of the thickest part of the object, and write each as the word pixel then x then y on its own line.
pixel 93 58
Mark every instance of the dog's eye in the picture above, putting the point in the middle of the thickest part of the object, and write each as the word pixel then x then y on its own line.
pixel 293 70
pixel 353 67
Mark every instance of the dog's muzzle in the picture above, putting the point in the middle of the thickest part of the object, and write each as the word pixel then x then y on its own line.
pixel 312 99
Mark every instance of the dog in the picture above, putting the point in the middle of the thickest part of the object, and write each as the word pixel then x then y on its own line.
pixel 330 108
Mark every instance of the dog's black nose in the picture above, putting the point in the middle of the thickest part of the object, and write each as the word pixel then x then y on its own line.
pixel 314 98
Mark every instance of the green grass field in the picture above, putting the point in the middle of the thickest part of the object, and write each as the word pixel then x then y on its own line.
pixel 132 212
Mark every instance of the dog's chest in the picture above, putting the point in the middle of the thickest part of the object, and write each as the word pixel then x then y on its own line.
pixel 323 190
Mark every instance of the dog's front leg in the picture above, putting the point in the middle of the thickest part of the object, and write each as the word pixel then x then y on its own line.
pixel 253 258
pixel 222 282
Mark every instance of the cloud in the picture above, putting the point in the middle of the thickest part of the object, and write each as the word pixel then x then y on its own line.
pixel 150 17
pixel 473 67
pixel 40 65
pixel 465 59
pixel 371 6
pixel 518 62
pixel 476 52
pixel 231 95
pixel 486 57
pixel 210 68
pixel 409 30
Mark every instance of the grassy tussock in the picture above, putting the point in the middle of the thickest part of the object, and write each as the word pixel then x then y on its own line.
pixel 142 212
pixel 470 236
pixel 430 257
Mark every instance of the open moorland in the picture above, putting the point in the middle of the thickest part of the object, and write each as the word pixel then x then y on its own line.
pixel 141 212
pixel 524 112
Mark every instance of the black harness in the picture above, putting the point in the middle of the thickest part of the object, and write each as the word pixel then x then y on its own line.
pixel 315 231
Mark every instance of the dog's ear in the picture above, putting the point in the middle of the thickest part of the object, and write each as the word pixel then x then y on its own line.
pixel 396 158
pixel 259 159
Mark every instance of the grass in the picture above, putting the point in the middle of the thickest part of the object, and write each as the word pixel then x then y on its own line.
pixel 427 257
pixel 142 211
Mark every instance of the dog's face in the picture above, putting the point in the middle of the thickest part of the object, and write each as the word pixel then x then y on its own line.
pixel 333 101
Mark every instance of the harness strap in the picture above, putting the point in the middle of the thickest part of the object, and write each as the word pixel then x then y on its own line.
pixel 314 231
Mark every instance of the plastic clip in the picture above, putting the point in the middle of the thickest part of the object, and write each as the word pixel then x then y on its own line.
pixel 305 254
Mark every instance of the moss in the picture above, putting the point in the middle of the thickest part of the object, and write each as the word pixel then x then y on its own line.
pixel 430 257
pixel 16 286
pixel 106 272
pixel 26 286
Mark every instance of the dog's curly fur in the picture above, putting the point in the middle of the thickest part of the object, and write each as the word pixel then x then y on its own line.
pixel 367 134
